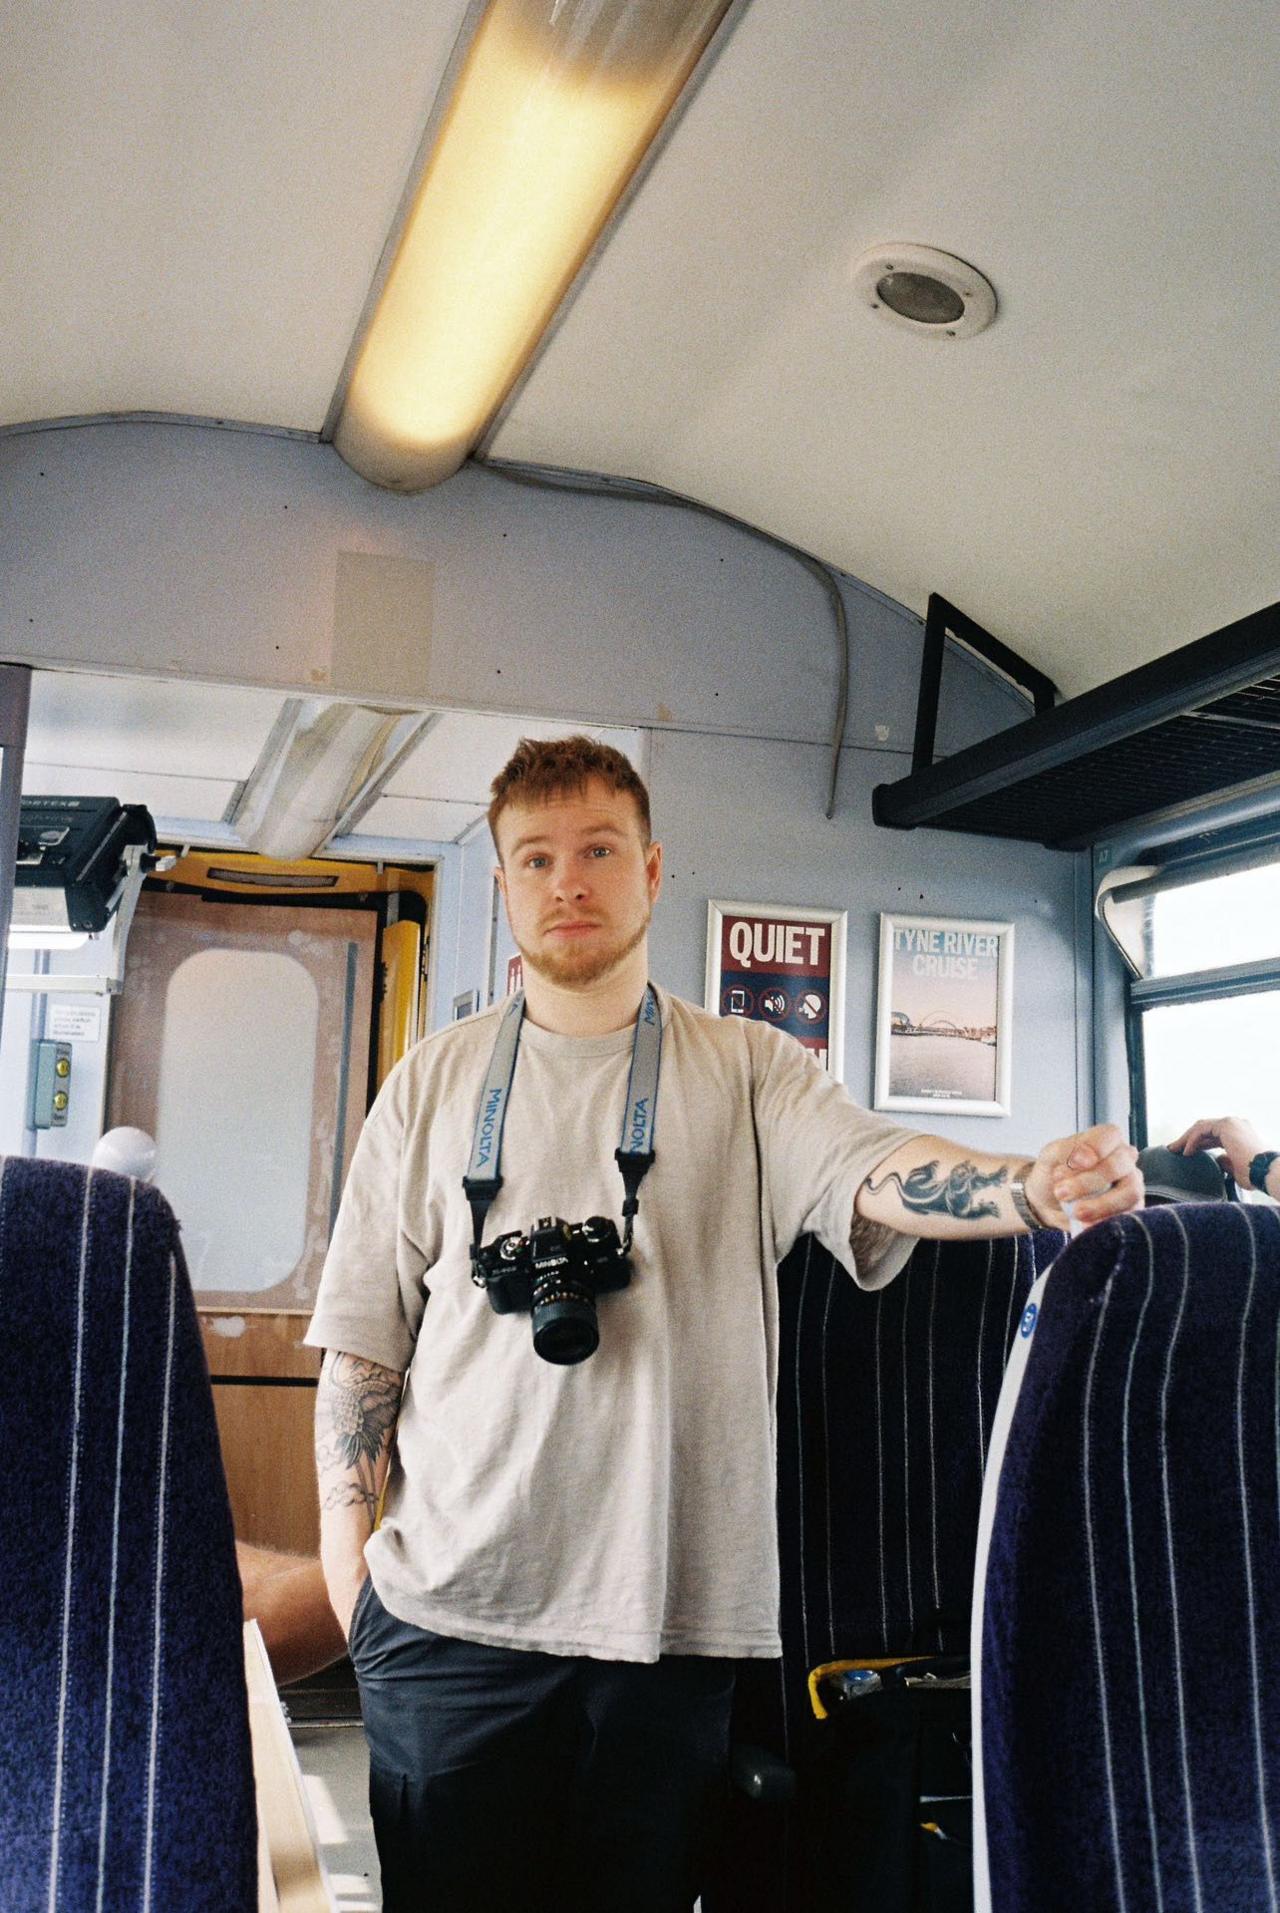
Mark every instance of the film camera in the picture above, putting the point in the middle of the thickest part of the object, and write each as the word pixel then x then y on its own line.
pixel 556 1272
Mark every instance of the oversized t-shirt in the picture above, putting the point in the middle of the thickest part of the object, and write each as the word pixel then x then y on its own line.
pixel 621 1508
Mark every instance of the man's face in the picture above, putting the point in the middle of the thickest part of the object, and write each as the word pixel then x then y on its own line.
pixel 579 882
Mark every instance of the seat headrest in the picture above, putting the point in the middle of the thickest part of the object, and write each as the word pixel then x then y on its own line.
pixel 1174 1178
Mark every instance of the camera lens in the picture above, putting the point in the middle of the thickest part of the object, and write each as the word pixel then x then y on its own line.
pixel 565 1325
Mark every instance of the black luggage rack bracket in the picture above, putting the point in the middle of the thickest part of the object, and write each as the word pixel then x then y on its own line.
pixel 1198 723
pixel 942 621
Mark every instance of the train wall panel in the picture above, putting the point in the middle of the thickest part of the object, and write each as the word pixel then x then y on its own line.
pixel 163 549
pixel 248 558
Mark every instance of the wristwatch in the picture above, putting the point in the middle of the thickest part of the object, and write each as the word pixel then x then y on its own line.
pixel 1260 1168
pixel 1021 1200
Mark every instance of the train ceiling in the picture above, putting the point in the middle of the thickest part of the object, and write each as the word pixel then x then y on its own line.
pixel 186 752
pixel 195 200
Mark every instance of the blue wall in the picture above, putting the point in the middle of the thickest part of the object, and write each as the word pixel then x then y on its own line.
pixel 229 556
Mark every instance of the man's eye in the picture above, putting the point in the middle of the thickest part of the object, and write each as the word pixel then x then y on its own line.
pixel 600 850
pixel 536 863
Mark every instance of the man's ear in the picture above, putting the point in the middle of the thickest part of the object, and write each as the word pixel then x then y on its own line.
pixel 500 878
pixel 653 865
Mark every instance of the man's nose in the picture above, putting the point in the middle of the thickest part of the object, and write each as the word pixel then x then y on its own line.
pixel 570 881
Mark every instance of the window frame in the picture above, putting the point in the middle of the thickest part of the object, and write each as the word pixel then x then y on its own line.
pixel 1193 986
pixel 1205 841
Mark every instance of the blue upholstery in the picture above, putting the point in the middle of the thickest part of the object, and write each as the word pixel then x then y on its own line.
pixel 1130 1657
pixel 125 1769
pixel 885 1403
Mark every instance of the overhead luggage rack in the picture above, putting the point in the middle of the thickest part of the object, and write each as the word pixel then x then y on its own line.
pixel 1202 722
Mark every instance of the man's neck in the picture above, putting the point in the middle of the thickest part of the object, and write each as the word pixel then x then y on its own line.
pixel 611 1003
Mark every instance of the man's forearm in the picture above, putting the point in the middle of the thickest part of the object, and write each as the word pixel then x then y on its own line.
pixel 357 1403
pixel 934 1188
pixel 938 1189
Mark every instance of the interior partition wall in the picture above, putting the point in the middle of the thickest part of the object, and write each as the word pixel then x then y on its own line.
pixel 15 701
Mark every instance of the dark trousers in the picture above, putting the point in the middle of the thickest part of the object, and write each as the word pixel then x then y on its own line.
pixel 504 1779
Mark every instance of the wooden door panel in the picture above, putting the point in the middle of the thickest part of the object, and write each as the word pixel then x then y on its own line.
pixel 266 1431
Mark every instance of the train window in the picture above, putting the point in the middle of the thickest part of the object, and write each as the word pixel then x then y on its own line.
pixel 1228 919
pixel 1215 1057
pixel 242 1045
pixel 1204 1013
pixel 234 1113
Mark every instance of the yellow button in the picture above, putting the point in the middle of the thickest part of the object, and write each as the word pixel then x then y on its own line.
pixel 63 1066
pixel 60 1100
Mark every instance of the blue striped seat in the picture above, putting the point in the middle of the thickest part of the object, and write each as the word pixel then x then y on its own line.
pixel 125 1770
pixel 1130 1656
pixel 885 1406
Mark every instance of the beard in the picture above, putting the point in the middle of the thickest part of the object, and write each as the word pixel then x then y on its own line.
pixel 578 969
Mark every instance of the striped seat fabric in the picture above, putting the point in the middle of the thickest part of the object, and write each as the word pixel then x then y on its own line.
pixel 1130 1656
pixel 125 1770
pixel 885 1405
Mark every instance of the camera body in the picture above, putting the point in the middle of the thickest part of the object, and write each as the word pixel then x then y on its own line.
pixel 555 1272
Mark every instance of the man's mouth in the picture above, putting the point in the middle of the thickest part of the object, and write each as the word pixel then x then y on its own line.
pixel 577 926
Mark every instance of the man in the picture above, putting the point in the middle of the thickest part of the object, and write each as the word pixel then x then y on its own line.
pixel 573 1556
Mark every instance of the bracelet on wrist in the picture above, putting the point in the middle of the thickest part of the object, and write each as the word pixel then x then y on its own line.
pixel 1021 1200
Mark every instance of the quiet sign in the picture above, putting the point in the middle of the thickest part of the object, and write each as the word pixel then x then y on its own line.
pixel 778 970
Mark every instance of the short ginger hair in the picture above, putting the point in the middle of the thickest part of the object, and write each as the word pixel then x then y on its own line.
pixel 542 768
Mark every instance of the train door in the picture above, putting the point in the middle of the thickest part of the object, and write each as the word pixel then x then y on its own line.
pixel 265 1004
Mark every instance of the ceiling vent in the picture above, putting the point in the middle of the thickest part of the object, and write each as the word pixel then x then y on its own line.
pixel 931 293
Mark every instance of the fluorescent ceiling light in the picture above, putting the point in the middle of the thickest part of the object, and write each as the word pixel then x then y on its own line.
pixel 553 110
pixel 320 770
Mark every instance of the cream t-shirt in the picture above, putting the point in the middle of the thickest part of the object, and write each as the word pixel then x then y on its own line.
pixel 622 1508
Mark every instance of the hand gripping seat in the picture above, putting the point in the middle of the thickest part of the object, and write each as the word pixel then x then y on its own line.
pixel 1127 1657
pixel 126 1778
pixel 885 1405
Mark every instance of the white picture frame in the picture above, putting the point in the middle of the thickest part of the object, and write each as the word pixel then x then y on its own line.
pixel 944 1015
pixel 791 972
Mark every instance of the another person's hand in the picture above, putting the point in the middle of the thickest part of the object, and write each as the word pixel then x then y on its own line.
pixel 1238 1140
pixel 286 1595
pixel 1095 1171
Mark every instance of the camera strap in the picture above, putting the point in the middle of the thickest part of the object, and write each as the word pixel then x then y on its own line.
pixel 634 1155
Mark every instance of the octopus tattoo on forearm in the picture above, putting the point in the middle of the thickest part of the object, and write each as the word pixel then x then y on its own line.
pixel 925 1191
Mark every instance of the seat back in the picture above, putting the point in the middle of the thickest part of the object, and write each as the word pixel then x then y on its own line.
pixel 1129 1670
pixel 125 1768
pixel 885 1405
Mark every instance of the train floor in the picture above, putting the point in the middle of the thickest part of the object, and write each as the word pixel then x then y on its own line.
pixel 335 1772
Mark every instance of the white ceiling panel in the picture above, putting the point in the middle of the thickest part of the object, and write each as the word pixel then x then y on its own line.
pixel 182 749
pixel 196 197
pixel 197 799
pixel 462 754
pixel 148 724
pixel 418 820
pixel 1094 478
